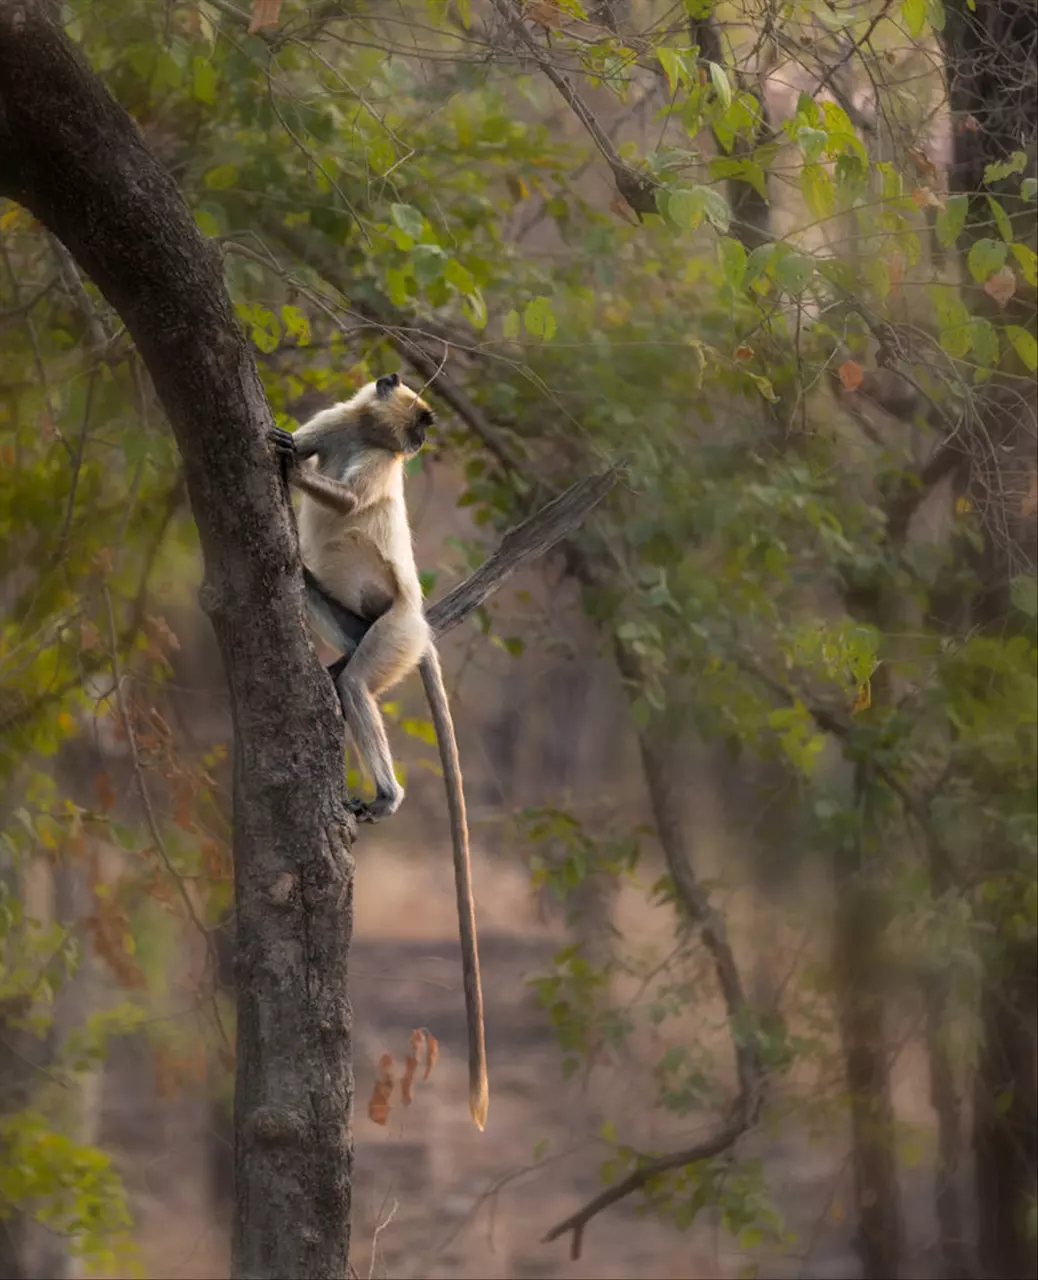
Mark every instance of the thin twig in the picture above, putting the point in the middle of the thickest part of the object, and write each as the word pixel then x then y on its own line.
pixel 149 810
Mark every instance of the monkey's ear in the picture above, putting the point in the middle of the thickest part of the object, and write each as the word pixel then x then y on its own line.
pixel 385 385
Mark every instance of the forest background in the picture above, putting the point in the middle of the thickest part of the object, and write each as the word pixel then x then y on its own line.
pixel 750 757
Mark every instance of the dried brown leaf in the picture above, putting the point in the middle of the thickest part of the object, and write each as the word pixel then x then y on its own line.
pixel 382 1091
pixel 432 1052
pixel 852 375
pixel 265 14
pixel 1001 286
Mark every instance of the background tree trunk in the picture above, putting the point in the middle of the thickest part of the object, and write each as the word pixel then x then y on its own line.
pixel 73 157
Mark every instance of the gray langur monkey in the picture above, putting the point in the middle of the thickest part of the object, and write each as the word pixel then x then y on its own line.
pixel 355 541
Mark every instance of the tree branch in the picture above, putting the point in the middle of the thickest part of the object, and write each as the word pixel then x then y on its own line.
pixel 639 190
pixel 742 1115
pixel 527 541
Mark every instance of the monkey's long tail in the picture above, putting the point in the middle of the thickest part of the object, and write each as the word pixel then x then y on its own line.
pixel 432 680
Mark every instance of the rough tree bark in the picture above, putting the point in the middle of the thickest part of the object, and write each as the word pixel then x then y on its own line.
pixel 74 158
pixel 990 50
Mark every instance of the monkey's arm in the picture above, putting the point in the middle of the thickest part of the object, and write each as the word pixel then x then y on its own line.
pixel 328 492
pixel 307 439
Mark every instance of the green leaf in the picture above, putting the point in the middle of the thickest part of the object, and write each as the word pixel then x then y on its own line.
pixel 1005 227
pixel 675 68
pixel 1002 169
pixel 794 272
pixel 733 261
pixel 510 325
pixel 222 177
pixel 1029 188
pixel 430 262
pixel 475 308
pixel 720 82
pixel 913 14
pixel 812 143
pixel 1024 345
pixel 742 170
pixel 764 386
pixel 951 220
pixel 539 319
pixel 985 258
pixel 408 219
pixel 984 340
pixel 206 223
pixel 758 261
pixel 685 208
pixel 817 189
pixel 715 206
pixel 205 82
pixel 1023 592
pixel 396 286
pixel 297 326
pixel 1028 260
pixel 459 276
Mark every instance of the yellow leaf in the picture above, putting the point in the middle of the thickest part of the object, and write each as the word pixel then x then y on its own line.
pixel 963 506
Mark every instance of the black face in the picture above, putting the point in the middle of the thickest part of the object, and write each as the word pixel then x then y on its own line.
pixel 416 433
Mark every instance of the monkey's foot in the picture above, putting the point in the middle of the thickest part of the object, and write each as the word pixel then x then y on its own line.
pixel 383 806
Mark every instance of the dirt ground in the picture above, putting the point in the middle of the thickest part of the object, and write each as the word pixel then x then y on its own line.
pixel 435 1198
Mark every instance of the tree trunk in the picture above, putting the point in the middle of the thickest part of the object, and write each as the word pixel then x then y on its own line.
pixel 991 56
pixel 73 157
pixel 857 930
pixel 1005 1133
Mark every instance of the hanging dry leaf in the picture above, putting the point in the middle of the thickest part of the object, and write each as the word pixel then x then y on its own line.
pixel 544 14
pixel 89 636
pixel 103 791
pixel 382 1091
pixel 744 352
pixel 1001 286
pixel 432 1052
pixel 863 699
pixel 852 375
pixel 924 198
pixel 265 14
pixel 922 161
pixel 411 1067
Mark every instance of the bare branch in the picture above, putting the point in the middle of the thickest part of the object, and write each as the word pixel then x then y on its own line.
pixel 527 541
pixel 636 188
pixel 742 1115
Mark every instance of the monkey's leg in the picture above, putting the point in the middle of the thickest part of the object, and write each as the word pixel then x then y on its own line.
pixel 365 723
pixel 391 648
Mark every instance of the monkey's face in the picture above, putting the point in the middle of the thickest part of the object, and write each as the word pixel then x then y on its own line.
pixel 403 417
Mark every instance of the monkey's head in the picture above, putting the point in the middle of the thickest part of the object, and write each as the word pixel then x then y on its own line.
pixel 393 417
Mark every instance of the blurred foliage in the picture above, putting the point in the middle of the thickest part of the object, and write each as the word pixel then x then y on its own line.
pixel 382 189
